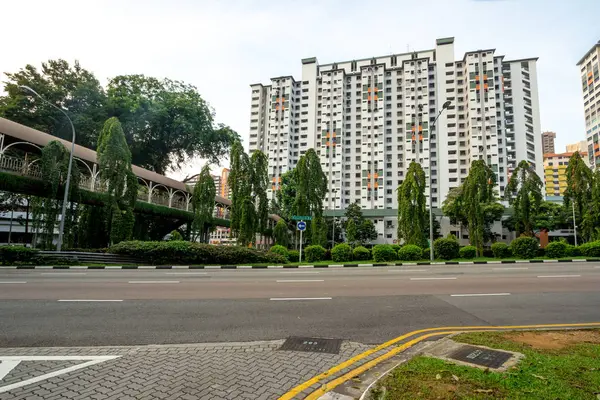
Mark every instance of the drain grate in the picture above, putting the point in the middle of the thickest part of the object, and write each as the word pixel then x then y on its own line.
pixel 479 356
pixel 313 345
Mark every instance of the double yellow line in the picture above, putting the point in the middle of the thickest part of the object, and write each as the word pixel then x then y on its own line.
pixel 425 334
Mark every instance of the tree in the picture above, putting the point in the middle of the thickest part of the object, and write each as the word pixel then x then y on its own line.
pixel 114 161
pixel 281 233
pixel 203 204
pixel 319 232
pixel 436 228
pixel 579 183
pixel 524 193
pixel 71 88
pixel 452 206
pixel 166 122
pixel 286 197
pixel 311 185
pixel 260 182
pixel 412 211
pixel 239 183
pixel 339 238
pixel 351 234
pixel 358 229
pixel 477 193
pixel 591 219
pixel 367 232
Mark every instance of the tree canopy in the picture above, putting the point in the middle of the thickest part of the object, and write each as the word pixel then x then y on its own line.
pixel 203 204
pixel 359 230
pixel 412 211
pixel 524 193
pixel 578 193
pixel 165 122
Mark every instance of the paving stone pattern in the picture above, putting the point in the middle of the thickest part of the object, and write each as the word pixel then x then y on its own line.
pixel 254 370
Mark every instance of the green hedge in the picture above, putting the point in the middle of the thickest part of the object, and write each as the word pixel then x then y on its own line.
pixel 384 253
pixel 590 249
pixel 572 251
pixel 10 255
pixel 525 247
pixel 281 250
pixel 293 256
pixel 410 252
pixel 182 252
pixel 361 253
pixel 446 248
pixel 501 250
pixel 426 253
pixel 341 252
pixel 557 249
pixel 467 252
pixel 314 253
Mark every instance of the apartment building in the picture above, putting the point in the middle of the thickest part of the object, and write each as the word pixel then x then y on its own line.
pixel 548 142
pixel 590 81
pixel 369 118
pixel 581 147
pixel 555 168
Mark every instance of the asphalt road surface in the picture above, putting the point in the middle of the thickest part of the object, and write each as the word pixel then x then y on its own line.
pixel 368 305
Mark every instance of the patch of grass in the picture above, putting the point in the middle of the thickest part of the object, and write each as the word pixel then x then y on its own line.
pixel 568 373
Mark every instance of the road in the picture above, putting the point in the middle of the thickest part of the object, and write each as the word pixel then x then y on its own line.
pixel 367 305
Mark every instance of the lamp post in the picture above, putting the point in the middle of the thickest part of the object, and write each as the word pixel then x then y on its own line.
pixel 445 106
pixel 61 226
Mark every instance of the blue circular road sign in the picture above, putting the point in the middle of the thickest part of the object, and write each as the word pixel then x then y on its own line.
pixel 301 225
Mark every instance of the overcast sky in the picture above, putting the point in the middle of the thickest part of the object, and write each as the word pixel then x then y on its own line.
pixel 222 47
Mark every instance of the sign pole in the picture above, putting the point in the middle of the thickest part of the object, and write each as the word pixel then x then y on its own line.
pixel 300 256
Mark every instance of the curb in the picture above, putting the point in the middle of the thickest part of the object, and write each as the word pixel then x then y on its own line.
pixel 295 266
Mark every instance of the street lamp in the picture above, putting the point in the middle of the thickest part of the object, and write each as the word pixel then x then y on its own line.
pixel 61 227
pixel 445 106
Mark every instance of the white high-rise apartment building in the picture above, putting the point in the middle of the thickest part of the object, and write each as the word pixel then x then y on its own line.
pixel 368 119
pixel 590 83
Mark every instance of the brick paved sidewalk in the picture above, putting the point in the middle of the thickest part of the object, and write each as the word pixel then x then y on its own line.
pixel 256 370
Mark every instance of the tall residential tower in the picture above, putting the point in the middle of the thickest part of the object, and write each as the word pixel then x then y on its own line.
pixel 590 82
pixel 369 118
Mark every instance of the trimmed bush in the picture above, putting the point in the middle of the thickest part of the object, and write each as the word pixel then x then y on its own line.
pixel 17 254
pixel 410 252
pixel 396 247
pixel 467 252
pixel 361 253
pixel 556 249
pixel 341 252
pixel 572 251
pixel 293 256
pixel 426 253
pixel 182 252
pixel 281 250
pixel 501 250
pixel 590 249
pixel 525 247
pixel 175 235
pixel 446 248
pixel 384 253
pixel 314 253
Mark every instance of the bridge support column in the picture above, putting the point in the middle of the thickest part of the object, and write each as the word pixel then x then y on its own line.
pixel 187 202
pixel 170 197
pixel 150 188
pixel 93 178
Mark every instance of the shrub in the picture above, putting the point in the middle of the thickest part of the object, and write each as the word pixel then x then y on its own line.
pixel 487 252
pixel 410 252
pixel 396 247
pixel 501 250
pixel 281 250
pixel 556 249
pixel 314 253
pixel 384 253
pixel 426 253
pixel 175 235
pixel 361 253
pixel 446 248
pixel 524 247
pixel 341 252
pixel 590 249
pixel 467 252
pixel 17 254
pixel 181 252
pixel 293 256
pixel 327 255
pixel 572 251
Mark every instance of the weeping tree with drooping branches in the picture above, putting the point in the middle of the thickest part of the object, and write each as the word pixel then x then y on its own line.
pixel 203 204
pixel 578 193
pixel 311 188
pixel 412 208
pixel 524 194
pixel 260 182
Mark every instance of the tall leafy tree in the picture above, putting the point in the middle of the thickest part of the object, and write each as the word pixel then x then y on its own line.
pixel 367 232
pixel 351 234
pixel 579 184
pixel 524 193
pixel 281 233
pixel 311 185
pixel 286 197
pixel 239 184
pixel 591 219
pixel 358 229
pixel 477 192
pixel 71 87
pixel 412 211
pixel 114 161
pixel 260 182
pixel 166 121
pixel 203 204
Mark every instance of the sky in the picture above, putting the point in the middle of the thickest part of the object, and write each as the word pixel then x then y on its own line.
pixel 222 47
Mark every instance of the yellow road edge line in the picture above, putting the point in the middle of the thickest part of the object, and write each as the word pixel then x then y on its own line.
pixel 294 391
pixel 368 365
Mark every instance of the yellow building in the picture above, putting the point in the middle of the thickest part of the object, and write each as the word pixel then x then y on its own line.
pixel 555 167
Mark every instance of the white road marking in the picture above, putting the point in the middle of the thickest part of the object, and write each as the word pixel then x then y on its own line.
pixel 431 279
pixel 153 282
pixel 6 367
pixel 299 280
pixel 298 298
pixel 300 272
pixel 186 273
pixel 559 276
pixel 479 294
pixel 90 300
pixel 10 282
pixel 406 270
pixel 90 360
pixel 63 273
pixel 509 268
